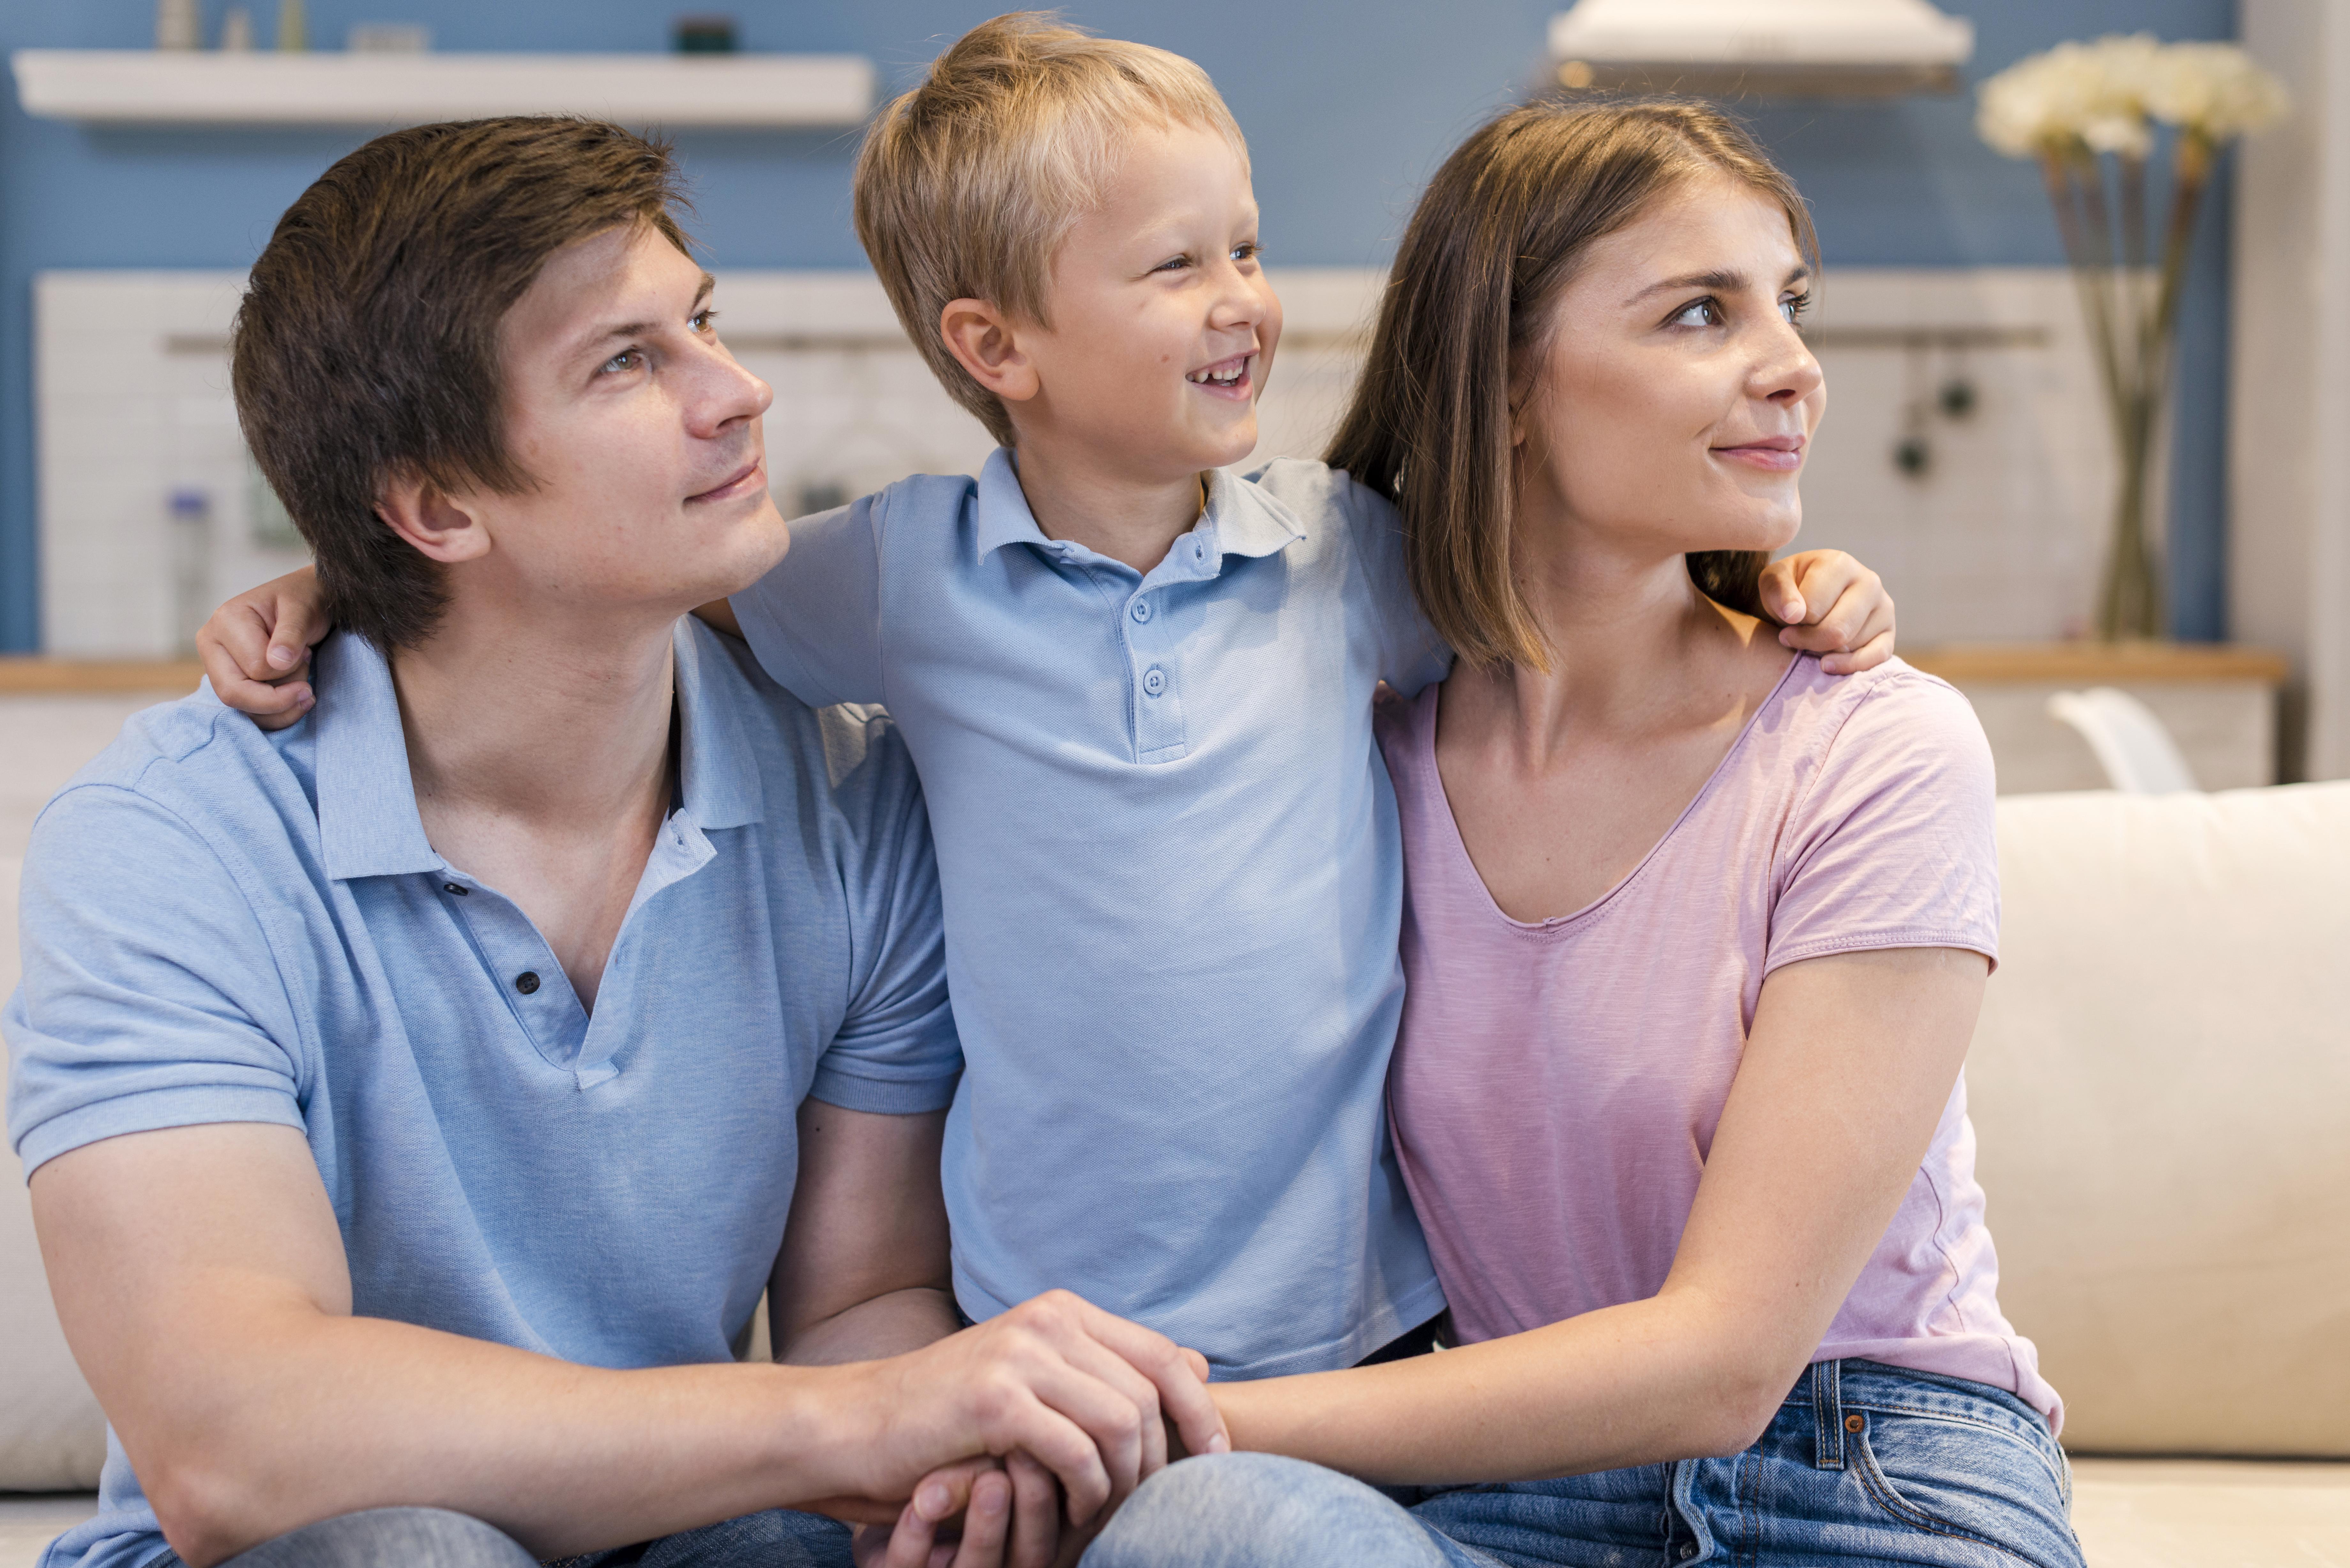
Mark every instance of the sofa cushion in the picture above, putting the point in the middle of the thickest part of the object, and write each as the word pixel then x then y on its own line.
pixel 52 1437
pixel 2161 1086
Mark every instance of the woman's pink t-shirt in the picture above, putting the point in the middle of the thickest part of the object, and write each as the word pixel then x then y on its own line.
pixel 1556 1085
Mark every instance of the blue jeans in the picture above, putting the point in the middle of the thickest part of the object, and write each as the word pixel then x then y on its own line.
pixel 1864 1464
pixel 437 1538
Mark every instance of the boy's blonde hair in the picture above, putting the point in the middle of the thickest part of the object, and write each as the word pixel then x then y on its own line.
pixel 967 185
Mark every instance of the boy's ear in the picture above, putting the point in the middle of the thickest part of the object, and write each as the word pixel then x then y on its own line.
pixel 442 527
pixel 985 342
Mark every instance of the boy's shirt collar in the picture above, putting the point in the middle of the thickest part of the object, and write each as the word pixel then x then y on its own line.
pixel 368 821
pixel 1241 520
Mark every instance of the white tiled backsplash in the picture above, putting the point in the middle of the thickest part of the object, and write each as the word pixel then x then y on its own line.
pixel 1994 539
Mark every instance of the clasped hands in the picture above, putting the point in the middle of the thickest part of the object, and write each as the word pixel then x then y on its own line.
pixel 1014 1441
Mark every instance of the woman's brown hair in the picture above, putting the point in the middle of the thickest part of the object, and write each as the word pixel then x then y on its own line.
pixel 1496 236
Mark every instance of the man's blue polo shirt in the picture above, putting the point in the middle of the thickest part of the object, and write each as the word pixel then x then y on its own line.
pixel 221 925
pixel 1173 884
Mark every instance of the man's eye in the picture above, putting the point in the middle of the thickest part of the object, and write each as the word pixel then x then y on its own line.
pixel 625 360
pixel 702 320
pixel 1706 312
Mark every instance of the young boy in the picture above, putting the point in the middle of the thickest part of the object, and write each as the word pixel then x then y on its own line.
pixel 1139 695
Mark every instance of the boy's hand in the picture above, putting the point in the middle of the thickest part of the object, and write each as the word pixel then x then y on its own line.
pixel 1832 605
pixel 1080 1390
pixel 256 649
pixel 982 1513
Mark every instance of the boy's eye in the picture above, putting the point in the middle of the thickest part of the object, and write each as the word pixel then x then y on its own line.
pixel 1706 312
pixel 1247 251
pixel 1172 263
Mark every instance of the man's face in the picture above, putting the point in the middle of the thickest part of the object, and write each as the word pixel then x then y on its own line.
pixel 642 434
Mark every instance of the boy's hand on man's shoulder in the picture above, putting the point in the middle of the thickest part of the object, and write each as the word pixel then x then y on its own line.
pixel 256 649
pixel 1830 605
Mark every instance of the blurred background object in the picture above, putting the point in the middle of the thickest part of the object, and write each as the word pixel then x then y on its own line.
pixel 2088 115
pixel 704 34
pixel 1775 49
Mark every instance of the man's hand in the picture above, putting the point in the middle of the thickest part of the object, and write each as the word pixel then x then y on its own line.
pixel 256 649
pixel 1080 1391
pixel 1831 605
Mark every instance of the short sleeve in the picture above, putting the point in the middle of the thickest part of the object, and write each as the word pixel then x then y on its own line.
pixel 150 995
pixel 1893 843
pixel 1410 653
pixel 895 1050
pixel 814 621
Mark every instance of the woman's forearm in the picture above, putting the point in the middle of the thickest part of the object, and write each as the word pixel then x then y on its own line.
pixel 1666 1378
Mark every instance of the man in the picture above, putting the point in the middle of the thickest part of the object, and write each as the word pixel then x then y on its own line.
pixel 418 1101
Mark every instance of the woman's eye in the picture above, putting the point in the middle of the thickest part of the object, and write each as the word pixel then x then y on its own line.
pixel 1704 312
pixel 1794 306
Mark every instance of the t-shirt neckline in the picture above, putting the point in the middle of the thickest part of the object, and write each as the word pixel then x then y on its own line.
pixel 1457 846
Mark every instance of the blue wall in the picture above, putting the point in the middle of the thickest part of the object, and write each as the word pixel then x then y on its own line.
pixel 1347 103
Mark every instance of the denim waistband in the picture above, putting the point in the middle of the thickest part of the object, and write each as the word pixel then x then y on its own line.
pixel 1836 1391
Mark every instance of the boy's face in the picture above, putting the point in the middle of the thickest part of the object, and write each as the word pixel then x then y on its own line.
pixel 1163 324
pixel 641 431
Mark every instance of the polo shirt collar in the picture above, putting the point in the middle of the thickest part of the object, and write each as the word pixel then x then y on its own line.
pixel 1241 520
pixel 368 821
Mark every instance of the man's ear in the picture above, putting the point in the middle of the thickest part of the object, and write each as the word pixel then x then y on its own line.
pixel 986 342
pixel 442 527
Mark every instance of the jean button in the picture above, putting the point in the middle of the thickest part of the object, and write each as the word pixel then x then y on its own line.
pixel 1689 1549
pixel 1141 610
pixel 1854 1423
pixel 1154 680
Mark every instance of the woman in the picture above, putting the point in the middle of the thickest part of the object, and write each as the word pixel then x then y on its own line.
pixel 1697 941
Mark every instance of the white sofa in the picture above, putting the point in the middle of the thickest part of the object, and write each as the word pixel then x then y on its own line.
pixel 2161 1088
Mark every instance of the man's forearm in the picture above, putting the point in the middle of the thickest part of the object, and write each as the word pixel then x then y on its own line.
pixel 888 1325
pixel 338 1414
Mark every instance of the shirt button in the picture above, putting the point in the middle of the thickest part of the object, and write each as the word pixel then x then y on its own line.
pixel 1154 680
pixel 526 981
pixel 452 888
pixel 1199 549
pixel 1141 610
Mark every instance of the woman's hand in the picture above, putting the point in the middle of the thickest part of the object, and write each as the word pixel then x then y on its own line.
pixel 1831 605
pixel 256 649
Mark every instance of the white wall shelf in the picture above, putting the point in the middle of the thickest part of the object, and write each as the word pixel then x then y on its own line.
pixel 138 87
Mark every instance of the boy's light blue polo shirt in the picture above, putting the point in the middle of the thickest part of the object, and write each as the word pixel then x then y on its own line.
pixel 226 926
pixel 1173 885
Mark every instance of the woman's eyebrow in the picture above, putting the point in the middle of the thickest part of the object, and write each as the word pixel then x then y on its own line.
pixel 1726 280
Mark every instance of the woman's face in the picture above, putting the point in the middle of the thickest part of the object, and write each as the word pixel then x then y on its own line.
pixel 1671 403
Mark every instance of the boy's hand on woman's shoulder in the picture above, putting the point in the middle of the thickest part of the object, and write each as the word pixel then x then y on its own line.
pixel 1832 605
pixel 256 649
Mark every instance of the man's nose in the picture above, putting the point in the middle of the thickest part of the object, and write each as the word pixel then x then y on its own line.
pixel 726 394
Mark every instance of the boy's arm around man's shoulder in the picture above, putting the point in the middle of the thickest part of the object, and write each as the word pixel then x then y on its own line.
pixel 814 619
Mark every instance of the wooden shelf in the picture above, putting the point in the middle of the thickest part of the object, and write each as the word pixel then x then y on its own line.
pixel 141 86
pixel 2100 663
pixel 21 676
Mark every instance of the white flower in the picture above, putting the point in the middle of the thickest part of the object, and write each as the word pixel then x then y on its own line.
pixel 2214 88
pixel 2104 94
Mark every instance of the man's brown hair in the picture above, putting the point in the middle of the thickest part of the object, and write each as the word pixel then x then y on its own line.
pixel 1497 235
pixel 367 346
pixel 967 185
